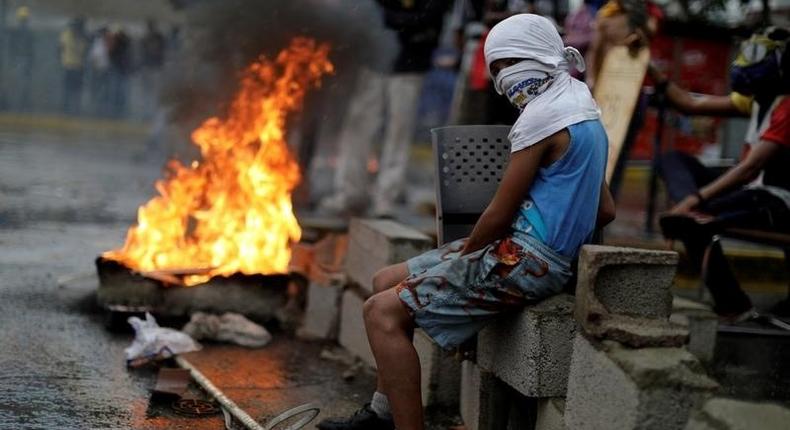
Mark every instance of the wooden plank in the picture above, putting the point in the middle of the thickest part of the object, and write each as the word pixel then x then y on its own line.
pixel 617 92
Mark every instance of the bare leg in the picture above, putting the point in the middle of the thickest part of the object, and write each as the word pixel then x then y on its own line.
pixel 390 329
pixel 389 277
pixel 385 279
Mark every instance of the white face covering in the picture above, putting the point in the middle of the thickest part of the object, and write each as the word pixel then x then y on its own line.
pixel 521 83
pixel 539 85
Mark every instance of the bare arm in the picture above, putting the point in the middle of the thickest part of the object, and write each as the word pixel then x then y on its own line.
pixel 495 221
pixel 606 208
pixel 704 104
pixel 740 174
pixel 595 55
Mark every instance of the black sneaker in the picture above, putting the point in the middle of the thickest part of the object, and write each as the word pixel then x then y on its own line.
pixel 363 419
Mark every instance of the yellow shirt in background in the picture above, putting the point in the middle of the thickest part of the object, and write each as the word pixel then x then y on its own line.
pixel 72 50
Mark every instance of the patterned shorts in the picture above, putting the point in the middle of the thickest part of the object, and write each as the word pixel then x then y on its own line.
pixel 452 297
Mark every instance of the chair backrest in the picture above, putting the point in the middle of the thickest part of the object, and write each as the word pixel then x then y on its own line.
pixel 470 161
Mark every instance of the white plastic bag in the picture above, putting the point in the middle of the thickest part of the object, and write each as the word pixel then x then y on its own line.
pixel 152 341
pixel 229 327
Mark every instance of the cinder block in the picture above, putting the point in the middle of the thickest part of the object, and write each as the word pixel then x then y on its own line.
pixel 375 244
pixel 612 387
pixel 728 414
pixel 439 374
pixel 470 395
pixel 702 325
pixel 550 414
pixel 353 336
pixel 483 401
pixel 531 350
pixel 322 315
pixel 623 294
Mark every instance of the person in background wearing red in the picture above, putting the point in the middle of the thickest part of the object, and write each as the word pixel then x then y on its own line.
pixel 755 193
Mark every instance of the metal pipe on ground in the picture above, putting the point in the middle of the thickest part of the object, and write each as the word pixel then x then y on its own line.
pixel 309 410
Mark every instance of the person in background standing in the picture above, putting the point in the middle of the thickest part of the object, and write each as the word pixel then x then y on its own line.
pixel 153 46
pixel 99 61
pixel 387 101
pixel 579 26
pixel 20 54
pixel 631 23
pixel 73 46
pixel 153 58
pixel 120 66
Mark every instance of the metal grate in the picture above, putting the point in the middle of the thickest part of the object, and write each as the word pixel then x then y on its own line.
pixel 470 162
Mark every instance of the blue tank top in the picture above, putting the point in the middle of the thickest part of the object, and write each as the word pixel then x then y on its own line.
pixel 562 205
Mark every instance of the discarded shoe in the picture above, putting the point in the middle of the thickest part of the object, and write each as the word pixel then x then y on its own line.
pixel 363 419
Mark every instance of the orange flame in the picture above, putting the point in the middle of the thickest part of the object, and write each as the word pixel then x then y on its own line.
pixel 232 212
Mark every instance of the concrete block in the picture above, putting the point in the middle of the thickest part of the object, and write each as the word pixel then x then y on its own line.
pixel 439 374
pixel 550 414
pixel 470 395
pixel 612 387
pixel 531 350
pixel 352 335
pixel 483 401
pixel 728 414
pixel 375 244
pixel 702 325
pixel 624 294
pixel 322 314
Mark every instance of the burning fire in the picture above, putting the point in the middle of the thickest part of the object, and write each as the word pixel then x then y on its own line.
pixel 232 211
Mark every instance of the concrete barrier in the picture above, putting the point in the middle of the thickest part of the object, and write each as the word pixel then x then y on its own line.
pixel 483 402
pixel 352 335
pixel 612 387
pixel 702 325
pixel 624 294
pixel 322 314
pixel 550 414
pixel 375 244
pixel 439 373
pixel 728 414
pixel 531 351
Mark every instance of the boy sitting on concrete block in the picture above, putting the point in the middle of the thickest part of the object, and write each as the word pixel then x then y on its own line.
pixel 551 198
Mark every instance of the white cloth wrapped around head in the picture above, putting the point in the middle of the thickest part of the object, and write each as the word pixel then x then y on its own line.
pixel 533 38
pixel 539 85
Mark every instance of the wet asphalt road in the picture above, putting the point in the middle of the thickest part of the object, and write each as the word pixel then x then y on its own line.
pixel 63 200
pixel 65 197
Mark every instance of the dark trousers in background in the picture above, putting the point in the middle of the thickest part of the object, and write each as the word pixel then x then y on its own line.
pixel 100 92
pixel 72 91
pixel 119 82
pixel 746 208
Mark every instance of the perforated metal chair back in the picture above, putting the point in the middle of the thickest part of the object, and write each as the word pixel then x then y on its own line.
pixel 470 161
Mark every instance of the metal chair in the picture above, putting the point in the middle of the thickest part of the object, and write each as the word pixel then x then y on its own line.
pixel 470 161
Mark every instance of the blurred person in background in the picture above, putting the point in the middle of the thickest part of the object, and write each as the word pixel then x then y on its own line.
pixel 579 26
pixel 631 23
pixel 20 54
pixel 385 100
pixel 99 61
pixel 620 22
pixel 755 193
pixel 478 91
pixel 152 46
pixel 120 54
pixel 73 49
